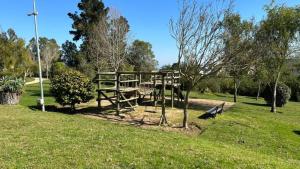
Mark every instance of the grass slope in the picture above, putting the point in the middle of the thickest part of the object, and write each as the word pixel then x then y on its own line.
pixel 247 136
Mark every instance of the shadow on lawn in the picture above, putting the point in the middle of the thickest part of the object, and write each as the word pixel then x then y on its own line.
pixel 256 104
pixel 297 132
pixel 206 116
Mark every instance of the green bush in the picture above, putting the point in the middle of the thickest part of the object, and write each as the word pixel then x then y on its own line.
pixel 58 68
pixel 282 96
pixel 71 87
pixel 295 88
pixel 11 85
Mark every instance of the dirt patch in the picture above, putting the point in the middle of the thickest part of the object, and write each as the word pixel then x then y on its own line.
pixel 210 103
pixel 149 116
pixel 147 122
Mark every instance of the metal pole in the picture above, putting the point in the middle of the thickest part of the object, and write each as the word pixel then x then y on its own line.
pixel 35 13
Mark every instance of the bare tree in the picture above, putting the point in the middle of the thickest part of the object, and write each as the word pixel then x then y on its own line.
pixel 108 43
pixel 98 44
pixel 198 34
pixel 118 35
pixel 50 53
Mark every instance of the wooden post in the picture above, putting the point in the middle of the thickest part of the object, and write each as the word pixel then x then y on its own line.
pixel 172 90
pixel 116 78
pixel 163 119
pixel 140 78
pixel 118 93
pixel 99 87
pixel 178 90
pixel 136 87
pixel 154 91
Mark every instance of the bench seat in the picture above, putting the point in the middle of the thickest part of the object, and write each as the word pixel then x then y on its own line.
pixel 216 110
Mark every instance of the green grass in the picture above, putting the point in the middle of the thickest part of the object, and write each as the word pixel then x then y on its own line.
pixel 247 136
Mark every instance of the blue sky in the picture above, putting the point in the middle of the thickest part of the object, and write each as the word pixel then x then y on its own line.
pixel 148 19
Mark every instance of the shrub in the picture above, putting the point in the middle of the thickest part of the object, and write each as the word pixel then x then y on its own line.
pixel 58 68
pixel 282 96
pixel 71 87
pixel 295 88
pixel 11 85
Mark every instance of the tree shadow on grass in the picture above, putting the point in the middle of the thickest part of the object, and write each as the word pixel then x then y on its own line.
pixel 297 132
pixel 224 96
pixel 192 105
pixel 54 109
pixel 256 104
pixel 206 116
pixel 106 112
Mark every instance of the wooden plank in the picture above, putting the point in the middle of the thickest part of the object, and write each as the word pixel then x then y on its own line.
pixel 107 98
pixel 107 90
pixel 128 100
pixel 154 92
pixel 163 119
pixel 106 73
pixel 105 80
pixel 136 92
pixel 140 78
pixel 127 81
pixel 172 91
pixel 127 90
pixel 118 94
pixel 99 95
pixel 144 73
pixel 113 98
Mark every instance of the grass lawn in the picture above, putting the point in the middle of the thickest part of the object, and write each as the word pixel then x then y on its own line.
pixel 246 136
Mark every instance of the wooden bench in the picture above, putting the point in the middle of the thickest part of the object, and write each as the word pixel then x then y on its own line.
pixel 216 110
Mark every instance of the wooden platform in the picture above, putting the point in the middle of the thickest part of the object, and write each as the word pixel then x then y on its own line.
pixel 114 89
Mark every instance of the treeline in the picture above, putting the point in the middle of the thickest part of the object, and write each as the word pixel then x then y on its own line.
pixel 220 51
pixel 105 38
pixel 254 55
pixel 103 35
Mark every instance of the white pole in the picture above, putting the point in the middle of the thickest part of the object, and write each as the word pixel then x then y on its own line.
pixel 35 13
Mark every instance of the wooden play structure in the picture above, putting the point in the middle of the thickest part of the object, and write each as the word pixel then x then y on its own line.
pixel 124 90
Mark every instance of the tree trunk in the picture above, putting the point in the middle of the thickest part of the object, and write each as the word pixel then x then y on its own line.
pixel 235 91
pixel 273 106
pixel 185 109
pixel 25 75
pixel 73 108
pixel 47 71
pixel 258 91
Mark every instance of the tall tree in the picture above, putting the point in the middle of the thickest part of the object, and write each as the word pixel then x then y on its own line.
pixel 91 11
pixel 70 54
pixel 118 39
pixel 141 56
pixel 50 52
pixel 99 49
pixel 110 41
pixel 279 39
pixel 198 34
pixel 14 56
pixel 238 39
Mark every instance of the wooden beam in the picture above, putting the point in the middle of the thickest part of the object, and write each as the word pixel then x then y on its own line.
pixel 99 94
pixel 163 119
pixel 154 91
pixel 118 93
pixel 107 98
pixel 106 73
pixel 136 86
pixel 172 91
